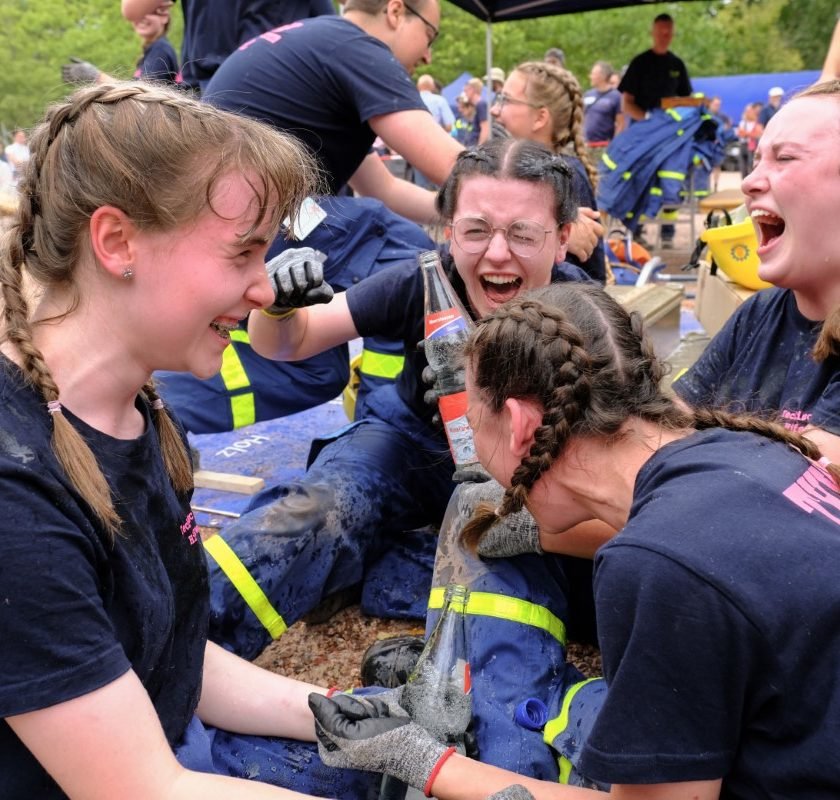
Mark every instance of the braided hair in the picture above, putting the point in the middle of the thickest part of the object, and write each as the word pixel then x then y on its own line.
pixel 515 159
pixel 156 154
pixel 584 359
pixel 558 90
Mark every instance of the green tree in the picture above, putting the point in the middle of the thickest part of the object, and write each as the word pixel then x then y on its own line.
pixel 38 36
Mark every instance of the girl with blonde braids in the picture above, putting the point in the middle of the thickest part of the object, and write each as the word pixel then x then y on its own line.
pixel 544 103
pixel 717 600
pixel 143 223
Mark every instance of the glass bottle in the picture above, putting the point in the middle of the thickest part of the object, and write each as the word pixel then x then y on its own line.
pixel 447 326
pixel 437 695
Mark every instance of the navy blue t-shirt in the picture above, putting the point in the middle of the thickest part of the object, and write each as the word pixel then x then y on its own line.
pixel 584 195
pixel 760 361
pixel 77 611
pixel 650 77
pixel 599 112
pixel 718 611
pixel 321 80
pixel 158 63
pixel 213 29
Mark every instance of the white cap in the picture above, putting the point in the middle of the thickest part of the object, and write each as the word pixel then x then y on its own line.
pixel 776 91
pixel 496 74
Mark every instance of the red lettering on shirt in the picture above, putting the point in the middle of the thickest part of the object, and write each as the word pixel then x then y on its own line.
pixel 815 490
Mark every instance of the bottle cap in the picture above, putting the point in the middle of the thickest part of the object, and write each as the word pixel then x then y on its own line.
pixel 531 714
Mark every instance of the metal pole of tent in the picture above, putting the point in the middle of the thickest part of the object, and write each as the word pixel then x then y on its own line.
pixel 488 47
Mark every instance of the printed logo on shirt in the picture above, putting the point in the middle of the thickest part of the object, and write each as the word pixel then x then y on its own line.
pixel 273 36
pixel 189 528
pixel 815 490
pixel 795 420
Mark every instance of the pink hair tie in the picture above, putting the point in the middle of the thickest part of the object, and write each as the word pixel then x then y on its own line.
pixel 157 404
pixel 54 407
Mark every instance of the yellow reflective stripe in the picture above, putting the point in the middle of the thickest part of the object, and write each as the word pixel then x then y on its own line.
pixel 655 190
pixel 627 175
pixel 554 727
pixel 242 409
pixel 500 606
pixel 237 573
pixel 672 112
pixel 381 365
pixel 679 374
pixel 608 161
pixel 665 173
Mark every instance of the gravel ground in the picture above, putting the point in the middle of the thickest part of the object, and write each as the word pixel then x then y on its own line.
pixel 330 653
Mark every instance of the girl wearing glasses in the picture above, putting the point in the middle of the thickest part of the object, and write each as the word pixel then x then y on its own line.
pixel 508 205
pixel 544 103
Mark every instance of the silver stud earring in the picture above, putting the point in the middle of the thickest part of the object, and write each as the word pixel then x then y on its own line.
pixel 128 272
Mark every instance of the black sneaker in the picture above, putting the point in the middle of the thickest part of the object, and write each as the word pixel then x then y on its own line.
pixel 389 662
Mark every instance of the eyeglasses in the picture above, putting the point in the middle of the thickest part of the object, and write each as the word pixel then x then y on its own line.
pixel 432 32
pixel 502 98
pixel 524 237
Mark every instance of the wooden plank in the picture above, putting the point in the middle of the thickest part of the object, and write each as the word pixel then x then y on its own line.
pixel 227 482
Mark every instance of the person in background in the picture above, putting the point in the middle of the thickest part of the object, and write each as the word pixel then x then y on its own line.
pixel 652 76
pixel 543 103
pixel 473 89
pixel 497 80
pixel 17 154
pixel 555 56
pixel 465 129
pixel 565 403
pixel 602 117
pixel 158 61
pixel 144 219
pixel 213 29
pixel 773 104
pixel 440 110
pixel 749 131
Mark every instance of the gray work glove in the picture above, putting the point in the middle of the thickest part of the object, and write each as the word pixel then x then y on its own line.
pixel 360 733
pixel 297 277
pixel 513 535
pixel 515 791
pixel 78 71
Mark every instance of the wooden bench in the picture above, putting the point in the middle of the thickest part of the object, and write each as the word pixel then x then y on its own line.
pixel 728 199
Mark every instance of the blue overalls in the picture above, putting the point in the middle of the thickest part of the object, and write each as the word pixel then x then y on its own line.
pixel 517 614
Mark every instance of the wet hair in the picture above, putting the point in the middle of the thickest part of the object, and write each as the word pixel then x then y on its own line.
pixel 559 91
pixel 157 155
pixel 517 159
pixel 584 359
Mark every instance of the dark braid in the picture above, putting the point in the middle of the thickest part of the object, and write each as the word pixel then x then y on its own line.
pixel 586 362
pixel 515 159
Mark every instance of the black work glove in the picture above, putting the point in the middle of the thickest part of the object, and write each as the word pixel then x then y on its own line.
pixel 362 733
pixel 297 277
pixel 515 791
pixel 78 71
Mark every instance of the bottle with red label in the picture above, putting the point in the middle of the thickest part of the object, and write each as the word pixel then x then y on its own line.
pixel 447 327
